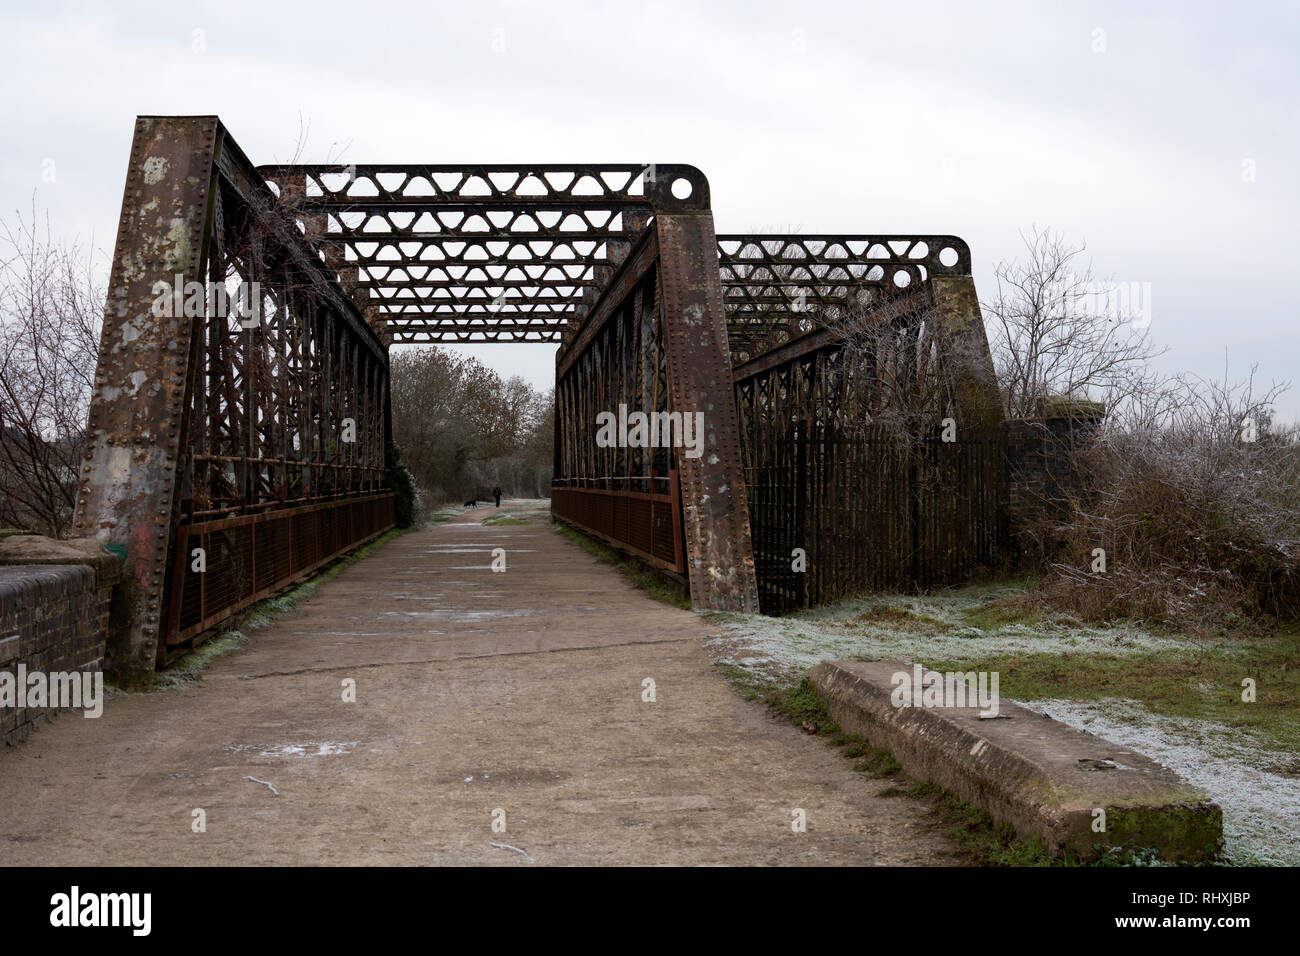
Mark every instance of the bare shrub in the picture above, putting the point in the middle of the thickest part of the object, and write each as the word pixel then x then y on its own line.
pixel 1195 502
pixel 893 363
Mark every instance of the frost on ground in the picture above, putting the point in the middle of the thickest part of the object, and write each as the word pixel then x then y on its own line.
pixel 1256 786
pixel 323 748
pixel 514 507
pixel 907 627
pixel 1261 810
pixel 445 512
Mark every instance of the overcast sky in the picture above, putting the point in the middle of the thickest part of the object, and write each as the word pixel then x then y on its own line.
pixel 1163 135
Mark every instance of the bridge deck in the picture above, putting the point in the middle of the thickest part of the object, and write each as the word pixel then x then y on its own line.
pixel 475 691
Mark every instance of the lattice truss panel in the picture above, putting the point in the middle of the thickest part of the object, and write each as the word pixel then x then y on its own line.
pixel 842 436
pixel 447 253
pixel 480 253
pixel 778 288
pixel 625 364
pixel 288 404
pixel 885 368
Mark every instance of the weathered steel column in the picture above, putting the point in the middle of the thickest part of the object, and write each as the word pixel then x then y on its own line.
pixel 720 555
pixel 137 415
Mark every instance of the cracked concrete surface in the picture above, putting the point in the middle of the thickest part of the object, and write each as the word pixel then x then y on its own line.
pixel 518 692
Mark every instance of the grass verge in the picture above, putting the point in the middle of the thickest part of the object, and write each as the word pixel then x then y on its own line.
pixel 639 573
pixel 189 667
pixel 1205 686
pixel 981 840
pixel 443 513
pixel 1041 654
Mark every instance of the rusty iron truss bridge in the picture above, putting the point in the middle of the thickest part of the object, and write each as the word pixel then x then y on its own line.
pixel 263 442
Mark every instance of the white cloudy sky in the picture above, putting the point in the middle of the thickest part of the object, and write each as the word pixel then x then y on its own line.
pixel 979 119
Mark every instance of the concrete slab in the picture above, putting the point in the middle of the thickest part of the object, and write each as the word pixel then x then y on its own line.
pixel 1045 779
pixel 476 692
pixel 38 549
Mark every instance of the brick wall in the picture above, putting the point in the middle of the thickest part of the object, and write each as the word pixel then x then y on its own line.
pixel 53 617
pixel 1041 477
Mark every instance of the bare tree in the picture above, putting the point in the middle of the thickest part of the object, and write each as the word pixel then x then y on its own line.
pixel 51 309
pixel 1055 330
pixel 463 428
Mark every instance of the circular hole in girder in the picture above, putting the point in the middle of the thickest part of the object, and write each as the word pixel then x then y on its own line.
pixel 948 256
pixel 682 188
pixel 902 278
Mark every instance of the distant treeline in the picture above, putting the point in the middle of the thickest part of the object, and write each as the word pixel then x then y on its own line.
pixel 463 428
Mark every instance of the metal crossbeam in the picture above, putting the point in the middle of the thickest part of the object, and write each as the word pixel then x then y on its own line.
pixel 510 253
pixel 481 252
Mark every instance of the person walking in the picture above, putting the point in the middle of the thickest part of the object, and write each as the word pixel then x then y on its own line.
pixel 496 493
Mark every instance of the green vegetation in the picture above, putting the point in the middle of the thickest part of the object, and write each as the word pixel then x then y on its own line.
pixel 648 579
pixel 1173 694
pixel 996 615
pixel 1205 685
pixel 399 477
pixel 465 429
pixel 876 761
pixel 982 842
pixel 987 843
pixel 896 617
pixel 189 667
pixel 1043 654
pixel 503 519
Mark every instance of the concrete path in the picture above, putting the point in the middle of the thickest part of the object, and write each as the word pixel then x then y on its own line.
pixel 476 692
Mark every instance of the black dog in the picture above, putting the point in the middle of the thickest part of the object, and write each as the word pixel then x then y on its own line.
pixel 471 503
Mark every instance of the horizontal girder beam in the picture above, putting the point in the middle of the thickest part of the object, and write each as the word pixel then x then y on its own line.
pixel 420 243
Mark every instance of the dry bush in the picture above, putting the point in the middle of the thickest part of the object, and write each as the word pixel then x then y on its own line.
pixel 1200 525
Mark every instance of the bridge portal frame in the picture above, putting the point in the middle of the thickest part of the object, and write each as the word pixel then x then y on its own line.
pixel 200 431
pixel 205 425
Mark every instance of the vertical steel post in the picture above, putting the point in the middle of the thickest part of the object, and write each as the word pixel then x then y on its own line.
pixel 715 511
pixel 138 412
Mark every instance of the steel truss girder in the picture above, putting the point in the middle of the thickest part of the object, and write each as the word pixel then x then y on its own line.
pixel 203 421
pixel 399 233
pixel 780 287
pixel 842 427
pixel 656 341
pixel 920 356
pixel 516 253
pixel 200 413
